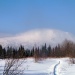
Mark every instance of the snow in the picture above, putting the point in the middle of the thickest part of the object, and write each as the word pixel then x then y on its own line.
pixel 30 38
pixel 66 68
pixel 49 66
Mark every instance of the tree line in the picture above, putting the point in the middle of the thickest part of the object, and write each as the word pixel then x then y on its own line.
pixel 66 49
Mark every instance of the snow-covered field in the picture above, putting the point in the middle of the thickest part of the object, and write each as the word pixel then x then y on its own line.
pixel 50 66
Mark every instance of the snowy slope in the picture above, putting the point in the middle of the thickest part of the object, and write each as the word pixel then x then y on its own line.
pixel 37 37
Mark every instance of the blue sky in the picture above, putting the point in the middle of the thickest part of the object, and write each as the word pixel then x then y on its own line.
pixel 18 16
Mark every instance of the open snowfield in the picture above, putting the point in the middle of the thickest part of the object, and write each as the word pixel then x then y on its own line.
pixel 50 66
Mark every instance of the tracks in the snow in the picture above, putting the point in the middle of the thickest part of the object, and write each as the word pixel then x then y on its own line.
pixel 55 67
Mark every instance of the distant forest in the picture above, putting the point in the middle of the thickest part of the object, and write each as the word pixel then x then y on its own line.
pixel 66 49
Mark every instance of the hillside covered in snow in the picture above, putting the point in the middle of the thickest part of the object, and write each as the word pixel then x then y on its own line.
pixel 36 37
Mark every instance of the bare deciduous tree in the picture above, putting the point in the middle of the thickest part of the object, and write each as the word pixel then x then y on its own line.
pixel 72 60
pixel 13 67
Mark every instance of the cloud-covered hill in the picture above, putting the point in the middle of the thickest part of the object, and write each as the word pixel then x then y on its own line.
pixel 37 38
